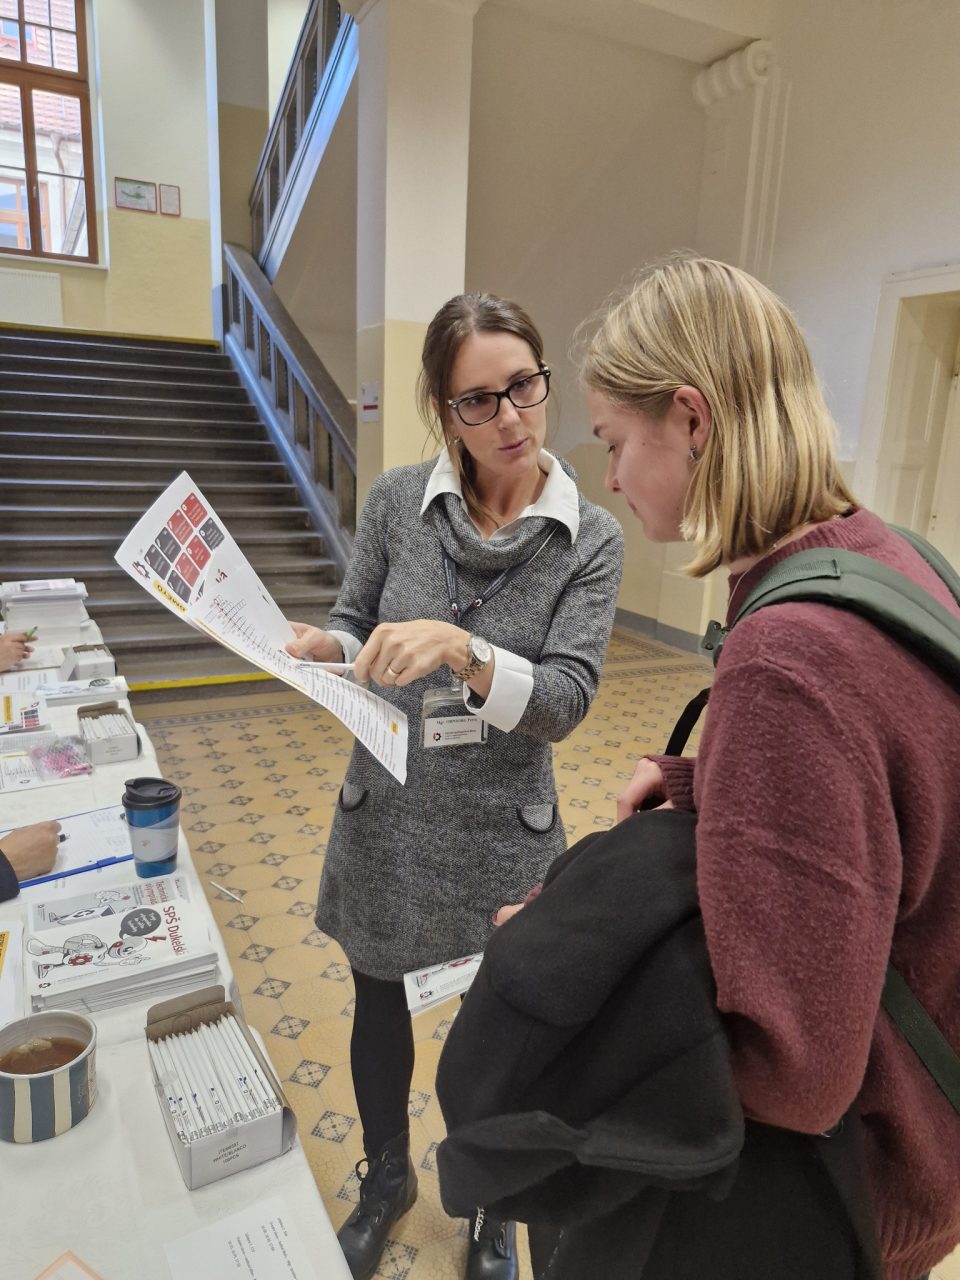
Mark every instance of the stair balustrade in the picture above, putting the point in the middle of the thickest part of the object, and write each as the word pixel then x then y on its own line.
pixel 305 412
pixel 322 67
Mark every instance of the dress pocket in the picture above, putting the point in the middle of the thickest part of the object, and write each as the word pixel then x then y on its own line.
pixel 538 818
pixel 351 797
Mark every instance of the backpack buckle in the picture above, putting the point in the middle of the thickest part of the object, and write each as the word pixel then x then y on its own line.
pixel 713 638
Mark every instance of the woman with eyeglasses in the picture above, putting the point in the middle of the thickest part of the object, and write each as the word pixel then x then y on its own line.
pixel 480 597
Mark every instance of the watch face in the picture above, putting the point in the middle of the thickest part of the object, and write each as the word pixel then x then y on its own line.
pixel 480 649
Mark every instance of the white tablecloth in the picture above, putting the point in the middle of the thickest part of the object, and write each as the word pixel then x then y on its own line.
pixel 110 1189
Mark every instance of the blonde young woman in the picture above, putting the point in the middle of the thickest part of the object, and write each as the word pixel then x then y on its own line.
pixel 826 780
pixel 480 598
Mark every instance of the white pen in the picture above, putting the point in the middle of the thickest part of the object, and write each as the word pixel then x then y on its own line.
pixel 231 1088
pixel 204 1079
pixel 229 892
pixel 268 1098
pixel 167 1091
pixel 249 1092
pixel 200 1088
pixel 211 1076
pixel 186 1112
pixel 188 1076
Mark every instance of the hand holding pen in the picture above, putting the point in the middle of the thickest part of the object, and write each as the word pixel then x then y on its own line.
pixel 14 647
pixel 31 851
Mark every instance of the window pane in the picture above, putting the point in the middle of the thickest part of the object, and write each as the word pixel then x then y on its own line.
pixel 56 123
pixel 65 51
pixel 14 218
pixel 63 215
pixel 9 37
pixel 37 11
pixel 39 50
pixel 64 14
pixel 8 8
pixel 11 127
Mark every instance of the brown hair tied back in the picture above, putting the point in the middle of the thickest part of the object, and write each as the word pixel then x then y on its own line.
pixel 456 320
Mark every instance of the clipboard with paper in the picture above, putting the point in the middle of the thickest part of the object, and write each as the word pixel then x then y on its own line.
pixel 182 554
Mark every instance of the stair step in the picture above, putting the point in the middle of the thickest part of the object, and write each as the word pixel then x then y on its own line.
pixel 103 347
pixel 25 492
pixel 305 597
pixel 117 521
pixel 209 665
pixel 70 365
pixel 182 448
pixel 19 544
pixel 30 466
pixel 272 566
pixel 66 424
pixel 142 388
pixel 127 406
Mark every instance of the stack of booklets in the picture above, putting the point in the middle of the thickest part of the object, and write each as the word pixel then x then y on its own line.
pixel 102 948
pixel 54 606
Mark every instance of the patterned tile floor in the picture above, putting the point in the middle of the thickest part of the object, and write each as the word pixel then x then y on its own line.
pixel 260 774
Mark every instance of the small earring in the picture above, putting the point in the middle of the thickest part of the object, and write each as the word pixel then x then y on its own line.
pixel 694 456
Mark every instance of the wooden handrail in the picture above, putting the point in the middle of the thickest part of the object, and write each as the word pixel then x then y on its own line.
pixel 306 413
pixel 300 94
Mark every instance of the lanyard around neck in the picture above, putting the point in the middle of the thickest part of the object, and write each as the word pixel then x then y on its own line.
pixel 500 581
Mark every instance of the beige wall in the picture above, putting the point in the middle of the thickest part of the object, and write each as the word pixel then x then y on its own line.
pixel 154 275
pixel 870 180
pixel 585 160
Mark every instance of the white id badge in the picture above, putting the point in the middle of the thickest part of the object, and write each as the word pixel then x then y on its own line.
pixel 446 722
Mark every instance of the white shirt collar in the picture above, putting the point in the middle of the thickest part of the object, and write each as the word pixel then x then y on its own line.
pixel 559 500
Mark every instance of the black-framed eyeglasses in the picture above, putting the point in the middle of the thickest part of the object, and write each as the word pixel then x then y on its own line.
pixel 483 406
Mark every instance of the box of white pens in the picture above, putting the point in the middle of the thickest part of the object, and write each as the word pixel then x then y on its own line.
pixel 108 733
pixel 222 1104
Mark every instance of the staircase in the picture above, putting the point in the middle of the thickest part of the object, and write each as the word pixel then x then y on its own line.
pixel 92 429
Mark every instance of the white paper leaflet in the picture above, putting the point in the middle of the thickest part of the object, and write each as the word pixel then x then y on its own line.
pixel 182 554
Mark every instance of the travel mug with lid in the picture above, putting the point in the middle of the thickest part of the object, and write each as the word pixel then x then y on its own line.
pixel 152 808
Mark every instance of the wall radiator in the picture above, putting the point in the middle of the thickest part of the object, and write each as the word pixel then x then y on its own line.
pixel 30 297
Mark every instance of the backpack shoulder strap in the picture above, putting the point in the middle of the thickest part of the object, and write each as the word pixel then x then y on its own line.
pixel 863 585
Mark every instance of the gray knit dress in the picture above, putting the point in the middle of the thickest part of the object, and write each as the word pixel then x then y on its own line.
pixel 413 872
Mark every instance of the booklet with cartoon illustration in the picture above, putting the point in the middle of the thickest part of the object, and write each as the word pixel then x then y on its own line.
pixel 93 903
pixel 91 963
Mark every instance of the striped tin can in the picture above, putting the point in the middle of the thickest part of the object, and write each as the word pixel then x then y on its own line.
pixel 35 1107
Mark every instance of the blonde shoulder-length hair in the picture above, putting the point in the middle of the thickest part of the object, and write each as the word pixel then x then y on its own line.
pixel 769 464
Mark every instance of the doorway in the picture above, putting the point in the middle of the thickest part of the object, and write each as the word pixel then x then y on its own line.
pixel 908 468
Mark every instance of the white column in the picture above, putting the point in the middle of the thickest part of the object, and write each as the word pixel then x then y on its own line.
pixel 745 103
pixel 413 151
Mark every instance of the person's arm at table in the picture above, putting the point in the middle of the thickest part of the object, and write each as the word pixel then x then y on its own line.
pixel 24 853
pixel 13 649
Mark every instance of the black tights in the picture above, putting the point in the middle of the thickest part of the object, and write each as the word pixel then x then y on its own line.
pixel 381 1059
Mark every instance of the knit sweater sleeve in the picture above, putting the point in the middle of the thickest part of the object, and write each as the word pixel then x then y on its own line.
pixel 357 607
pixel 677 779
pixel 566 676
pixel 799 871
pixel 9 885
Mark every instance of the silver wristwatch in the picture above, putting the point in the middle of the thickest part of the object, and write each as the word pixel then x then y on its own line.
pixel 479 653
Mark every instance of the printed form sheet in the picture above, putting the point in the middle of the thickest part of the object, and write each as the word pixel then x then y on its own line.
pixel 182 554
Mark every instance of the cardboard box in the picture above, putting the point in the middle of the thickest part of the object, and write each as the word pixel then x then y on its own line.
pixel 86 662
pixel 124 746
pixel 242 1146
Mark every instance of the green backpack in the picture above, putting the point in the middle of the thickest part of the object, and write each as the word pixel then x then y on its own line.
pixel 848 580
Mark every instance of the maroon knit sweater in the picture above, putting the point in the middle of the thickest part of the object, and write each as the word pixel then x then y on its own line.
pixel 829 829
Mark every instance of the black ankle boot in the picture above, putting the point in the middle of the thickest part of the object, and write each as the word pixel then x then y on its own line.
pixel 387 1190
pixel 492 1253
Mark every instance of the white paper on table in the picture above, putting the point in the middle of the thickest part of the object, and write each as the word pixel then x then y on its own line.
pixel 43 656
pixel 21 681
pixel 181 553
pixel 425 988
pixel 259 1243
pixel 12 1001
pixel 90 837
